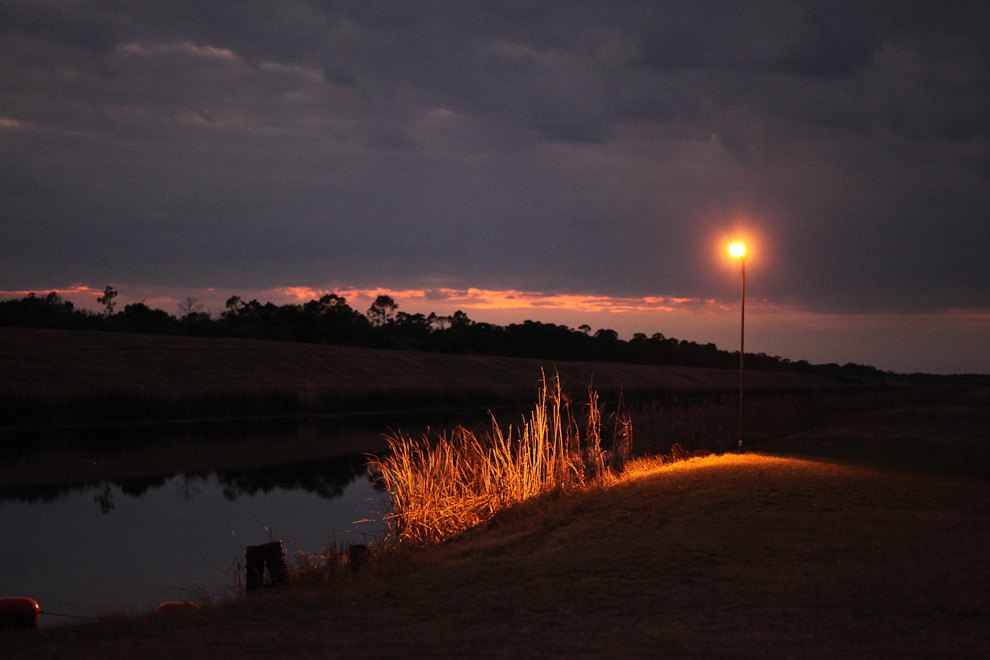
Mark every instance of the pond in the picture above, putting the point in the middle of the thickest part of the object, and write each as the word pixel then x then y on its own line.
pixel 123 547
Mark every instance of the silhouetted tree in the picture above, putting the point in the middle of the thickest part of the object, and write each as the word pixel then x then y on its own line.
pixel 460 319
pixel 138 317
pixel 331 320
pixel 51 311
pixel 188 307
pixel 438 323
pixel 107 300
pixel 382 310
pixel 335 321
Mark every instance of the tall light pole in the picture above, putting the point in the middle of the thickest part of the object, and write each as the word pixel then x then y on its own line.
pixel 738 250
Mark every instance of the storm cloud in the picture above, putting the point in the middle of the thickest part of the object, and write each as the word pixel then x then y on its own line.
pixel 593 148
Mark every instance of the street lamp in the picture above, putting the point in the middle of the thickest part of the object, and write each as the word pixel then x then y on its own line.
pixel 738 250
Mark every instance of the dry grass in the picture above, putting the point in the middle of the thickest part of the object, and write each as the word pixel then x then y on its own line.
pixel 445 487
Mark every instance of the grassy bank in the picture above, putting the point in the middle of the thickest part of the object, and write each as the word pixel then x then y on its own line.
pixel 753 556
pixel 77 377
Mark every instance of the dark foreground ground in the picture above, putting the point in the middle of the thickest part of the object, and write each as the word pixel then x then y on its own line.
pixel 869 540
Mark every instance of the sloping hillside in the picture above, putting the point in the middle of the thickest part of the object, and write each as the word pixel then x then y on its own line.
pixel 62 367
pixel 77 361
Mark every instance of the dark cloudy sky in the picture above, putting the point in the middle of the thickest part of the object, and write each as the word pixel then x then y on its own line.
pixel 588 160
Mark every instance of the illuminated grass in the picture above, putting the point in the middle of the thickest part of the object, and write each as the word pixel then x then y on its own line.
pixel 652 466
pixel 445 487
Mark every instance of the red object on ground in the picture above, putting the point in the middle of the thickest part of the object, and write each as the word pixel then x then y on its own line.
pixel 19 612
pixel 177 606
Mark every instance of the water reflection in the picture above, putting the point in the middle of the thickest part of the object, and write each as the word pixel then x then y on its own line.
pixel 323 478
pixel 125 546
pixel 109 544
pixel 327 479
pixel 307 451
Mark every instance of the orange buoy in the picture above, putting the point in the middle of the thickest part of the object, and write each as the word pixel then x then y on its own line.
pixel 177 606
pixel 19 612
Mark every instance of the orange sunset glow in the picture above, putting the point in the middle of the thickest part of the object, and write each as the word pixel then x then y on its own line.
pixel 488 299
pixel 792 331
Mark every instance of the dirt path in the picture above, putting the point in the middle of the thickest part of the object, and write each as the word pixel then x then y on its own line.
pixel 751 556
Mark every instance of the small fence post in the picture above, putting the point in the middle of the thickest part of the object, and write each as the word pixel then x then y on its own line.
pixel 254 557
pixel 278 567
pixel 270 556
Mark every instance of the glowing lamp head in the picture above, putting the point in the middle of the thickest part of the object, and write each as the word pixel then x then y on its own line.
pixel 737 250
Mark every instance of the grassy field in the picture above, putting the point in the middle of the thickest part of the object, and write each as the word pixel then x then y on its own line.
pixel 71 377
pixel 859 539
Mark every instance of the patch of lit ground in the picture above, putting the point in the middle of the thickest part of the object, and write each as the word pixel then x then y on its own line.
pixel 655 465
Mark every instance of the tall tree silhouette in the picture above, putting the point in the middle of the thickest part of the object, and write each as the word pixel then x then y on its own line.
pixel 107 300
pixel 382 310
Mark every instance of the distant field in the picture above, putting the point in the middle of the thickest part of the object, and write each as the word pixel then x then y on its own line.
pixel 79 374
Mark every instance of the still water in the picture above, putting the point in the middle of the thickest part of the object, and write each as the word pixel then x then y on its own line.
pixel 124 547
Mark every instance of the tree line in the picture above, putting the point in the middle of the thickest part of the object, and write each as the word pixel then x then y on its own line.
pixel 331 320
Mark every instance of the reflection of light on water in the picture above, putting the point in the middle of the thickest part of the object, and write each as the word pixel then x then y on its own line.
pixel 128 547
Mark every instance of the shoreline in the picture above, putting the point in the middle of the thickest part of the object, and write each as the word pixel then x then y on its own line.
pixel 763 553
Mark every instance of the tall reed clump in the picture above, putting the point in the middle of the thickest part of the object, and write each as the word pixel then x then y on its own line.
pixel 443 487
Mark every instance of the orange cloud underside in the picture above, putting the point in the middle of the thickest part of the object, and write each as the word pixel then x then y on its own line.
pixel 69 292
pixel 504 300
